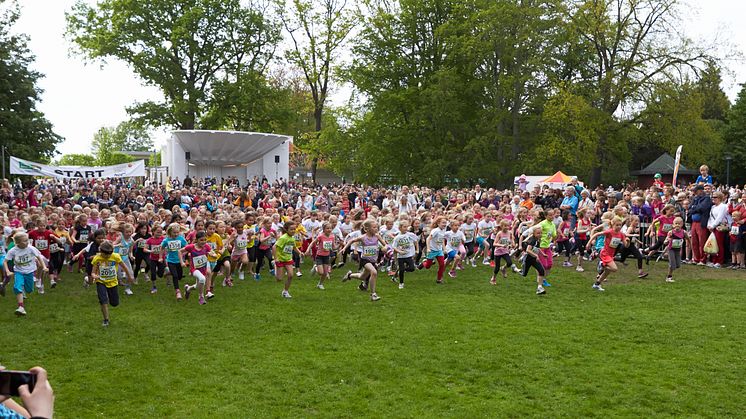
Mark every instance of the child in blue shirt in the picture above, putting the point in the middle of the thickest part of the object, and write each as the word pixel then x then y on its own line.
pixel 171 246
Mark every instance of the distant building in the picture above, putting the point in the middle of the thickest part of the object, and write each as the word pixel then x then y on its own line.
pixel 663 165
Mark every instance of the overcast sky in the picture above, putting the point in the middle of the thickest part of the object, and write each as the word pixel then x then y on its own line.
pixel 79 99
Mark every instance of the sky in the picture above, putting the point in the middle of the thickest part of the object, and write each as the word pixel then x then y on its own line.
pixel 79 97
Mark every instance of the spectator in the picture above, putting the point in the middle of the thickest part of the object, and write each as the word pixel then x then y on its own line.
pixel 718 223
pixel 700 211
pixel 38 403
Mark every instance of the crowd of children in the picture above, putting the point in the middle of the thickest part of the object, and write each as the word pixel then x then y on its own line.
pixel 192 249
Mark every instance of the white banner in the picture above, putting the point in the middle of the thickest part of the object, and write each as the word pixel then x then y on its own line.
pixel 25 167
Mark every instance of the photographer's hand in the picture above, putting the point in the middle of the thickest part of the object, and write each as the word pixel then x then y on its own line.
pixel 40 402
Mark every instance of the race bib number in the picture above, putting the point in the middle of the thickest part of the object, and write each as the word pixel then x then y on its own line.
pixel 142 244
pixel 54 248
pixel 83 238
pixel 487 231
pixel 389 239
pixel 370 251
pixel 676 243
pixel 469 234
pixel 615 242
pixel 288 249
pixel 107 272
pixel 734 230
pixel 455 241
pixel 566 231
pixel 155 249
pixel 667 227
pixel 327 245
pixel 241 244
pixel 199 261
pixel 504 241
pixel 41 244
pixel 174 246
pixel 23 260
pixel 298 237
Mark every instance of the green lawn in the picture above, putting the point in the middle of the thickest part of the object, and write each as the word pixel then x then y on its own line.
pixel 643 348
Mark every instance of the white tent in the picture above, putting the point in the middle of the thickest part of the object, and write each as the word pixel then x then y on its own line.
pixel 222 154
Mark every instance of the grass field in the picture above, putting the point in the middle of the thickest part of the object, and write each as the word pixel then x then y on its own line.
pixel 643 348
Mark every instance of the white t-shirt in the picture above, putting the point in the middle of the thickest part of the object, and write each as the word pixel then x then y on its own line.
pixel 388 235
pixel 405 242
pixel 469 231
pixel 24 260
pixel 454 240
pixel 486 228
pixel 310 225
pixel 358 247
pixel 437 238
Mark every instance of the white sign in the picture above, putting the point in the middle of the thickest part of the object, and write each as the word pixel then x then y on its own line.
pixel 25 167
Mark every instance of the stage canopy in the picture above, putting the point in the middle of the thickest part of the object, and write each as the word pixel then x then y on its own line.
pixel 227 147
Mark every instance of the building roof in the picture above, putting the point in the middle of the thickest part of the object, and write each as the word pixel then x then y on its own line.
pixel 227 147
pixel 663 165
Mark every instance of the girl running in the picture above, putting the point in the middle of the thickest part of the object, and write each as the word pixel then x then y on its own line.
pixel 325 244
pixel 675 239
pixel 370 243
pixel 140 243
pixel 283 255
pixel 171 246
pixel 434 247
pixel 153 249
pixel 613 239
pixel 454 238
pixel 503 243
pixel 199 265
pixel 532 249
pixel 405 247
pixel 106 265
pixel 239 253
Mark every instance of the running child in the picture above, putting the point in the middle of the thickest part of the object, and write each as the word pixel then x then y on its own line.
pixel 171 246
pixel 140 244
pixel 88 253
pixel 40 238
pixel 199 265
pixel 153 249
pixel 26 261
pixel 454 238
pixel 531 248
pixel 675 239
pixel 215 242
pixel 325 243
pixel 434 247
pixel 613 240
pixel 503 243
pixel 239 252
pixel 370 243
pixel 405 247
pixel 737 234
pixel 106 265
pixel 283 255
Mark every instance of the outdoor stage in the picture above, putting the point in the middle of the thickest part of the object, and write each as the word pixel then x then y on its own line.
pixel 222 154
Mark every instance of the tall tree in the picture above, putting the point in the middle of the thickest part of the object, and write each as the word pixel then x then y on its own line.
pixel 24 130
pixel 716 103
pixel 633 45
pixel 77 160
pixel 181 46
pixel 318 30
pixel 735 135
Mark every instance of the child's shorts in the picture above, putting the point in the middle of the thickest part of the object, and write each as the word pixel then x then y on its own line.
pixel 213 265
pixel 23 282
pixel 452 254
pixel 107 295
pixel 434 254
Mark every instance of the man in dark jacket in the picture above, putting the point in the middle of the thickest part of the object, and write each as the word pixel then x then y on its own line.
pixel 700 211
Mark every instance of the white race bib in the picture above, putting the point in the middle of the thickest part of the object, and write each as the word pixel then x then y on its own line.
pixel 199 261
pixel 288 249
pixel 107 272
pixel 615 242
pixel 327 245
pixel 370 251
pixel 174 246
pixel 41 244
pixel 734 230
pixel 241 244
pixel 676 243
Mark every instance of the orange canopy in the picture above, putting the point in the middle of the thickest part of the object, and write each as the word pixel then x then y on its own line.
pixel 558 177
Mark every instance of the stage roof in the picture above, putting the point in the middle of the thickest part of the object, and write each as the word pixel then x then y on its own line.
pixel 227 147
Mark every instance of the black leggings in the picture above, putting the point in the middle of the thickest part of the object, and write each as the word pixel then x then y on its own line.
pixel 564 246
pixel 634 252
pixel 157 269
pixel 506 258
pixel 405 265
pixel 658 243
pixel 56 261
pixel 296 259
pixel 260 255
pixel 532 261
pixel 140 257
pixel 176 273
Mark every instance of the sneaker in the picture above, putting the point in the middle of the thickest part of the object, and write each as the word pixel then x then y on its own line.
pixel 241 275
pixel 230 283
pixel 567 264
pixel 401 286
pixel 485 261
pixel 41 289
pixel 299 274
pixel 153 290
pixel 202 300
pixel 320 286
pixel 52 284
pixel 643 275
pixel 178 295
pixel 105 323
pixel 716 265
pixel 701 264
pixel 493 281
pixel 286 294
pixel 579 269
pixel 187 291
pixel 209 295
pixel 710 265
pixel 452 274
pixel 492 264
pixel 313 270
pixel 374 297
pixel 516 270
pixel 85 282
pixel 438 281
pixel 20 311
pixel 669 279
pixel 394 279
pixel 225 282
pixel 597 287
pixel 473 263
pixel 2 290
pixel 128 291
pixel 347 276
pixel 546 284
pixel 363 286
pixel 272 272
pixel 257 277
pixel 540 290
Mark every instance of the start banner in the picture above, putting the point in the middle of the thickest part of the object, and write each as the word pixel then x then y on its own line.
pixel 25 167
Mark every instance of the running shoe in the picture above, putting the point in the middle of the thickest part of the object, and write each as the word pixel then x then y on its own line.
pixel 452 274
pixel 546 284
pixel 597 287
pixel 272 272
pixel 52 283
pixel 105 323
pixel 492 264
pixel 241 275
pixel 210 295
pixel 493 281
pixel 363 286
pixel 153 290
pixel 178 295
pixel 393 279
pixel 20 311
pixel 540 290
pixel 485 261
pixel 643 275
pixel 202 300
pixel 579 269
pixel 187 291
pixel 473 263
pixel 401 286
pixel 286 294
pixel 669 279
pixel 516 270
pixel 374 297
pixel 257 277
pixel 128 291
pixel 299 274
pixel 347 276
pixel 320 286
pixel 567 264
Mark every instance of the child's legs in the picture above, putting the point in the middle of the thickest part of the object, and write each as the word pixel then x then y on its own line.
pixel 372 276
pixel 153 270
pixel 201 281
pixel 176 273
pixel 441 266
pixel 289 270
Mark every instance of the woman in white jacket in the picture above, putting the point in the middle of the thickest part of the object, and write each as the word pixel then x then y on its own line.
pixel 718 215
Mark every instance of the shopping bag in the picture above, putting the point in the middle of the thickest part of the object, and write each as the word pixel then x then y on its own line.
pixel 711 245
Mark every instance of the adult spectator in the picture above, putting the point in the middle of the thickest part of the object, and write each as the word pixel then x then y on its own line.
pixel 38 403
pixel 570 203
pixel 700 211
pixel 187 182
pixel 85 197
pixel 718 223
pixel 323 201
pixel 174 199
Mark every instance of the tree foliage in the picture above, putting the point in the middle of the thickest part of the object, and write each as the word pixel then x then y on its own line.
pixel 77 160
pixel 735 135
pixel 24 130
